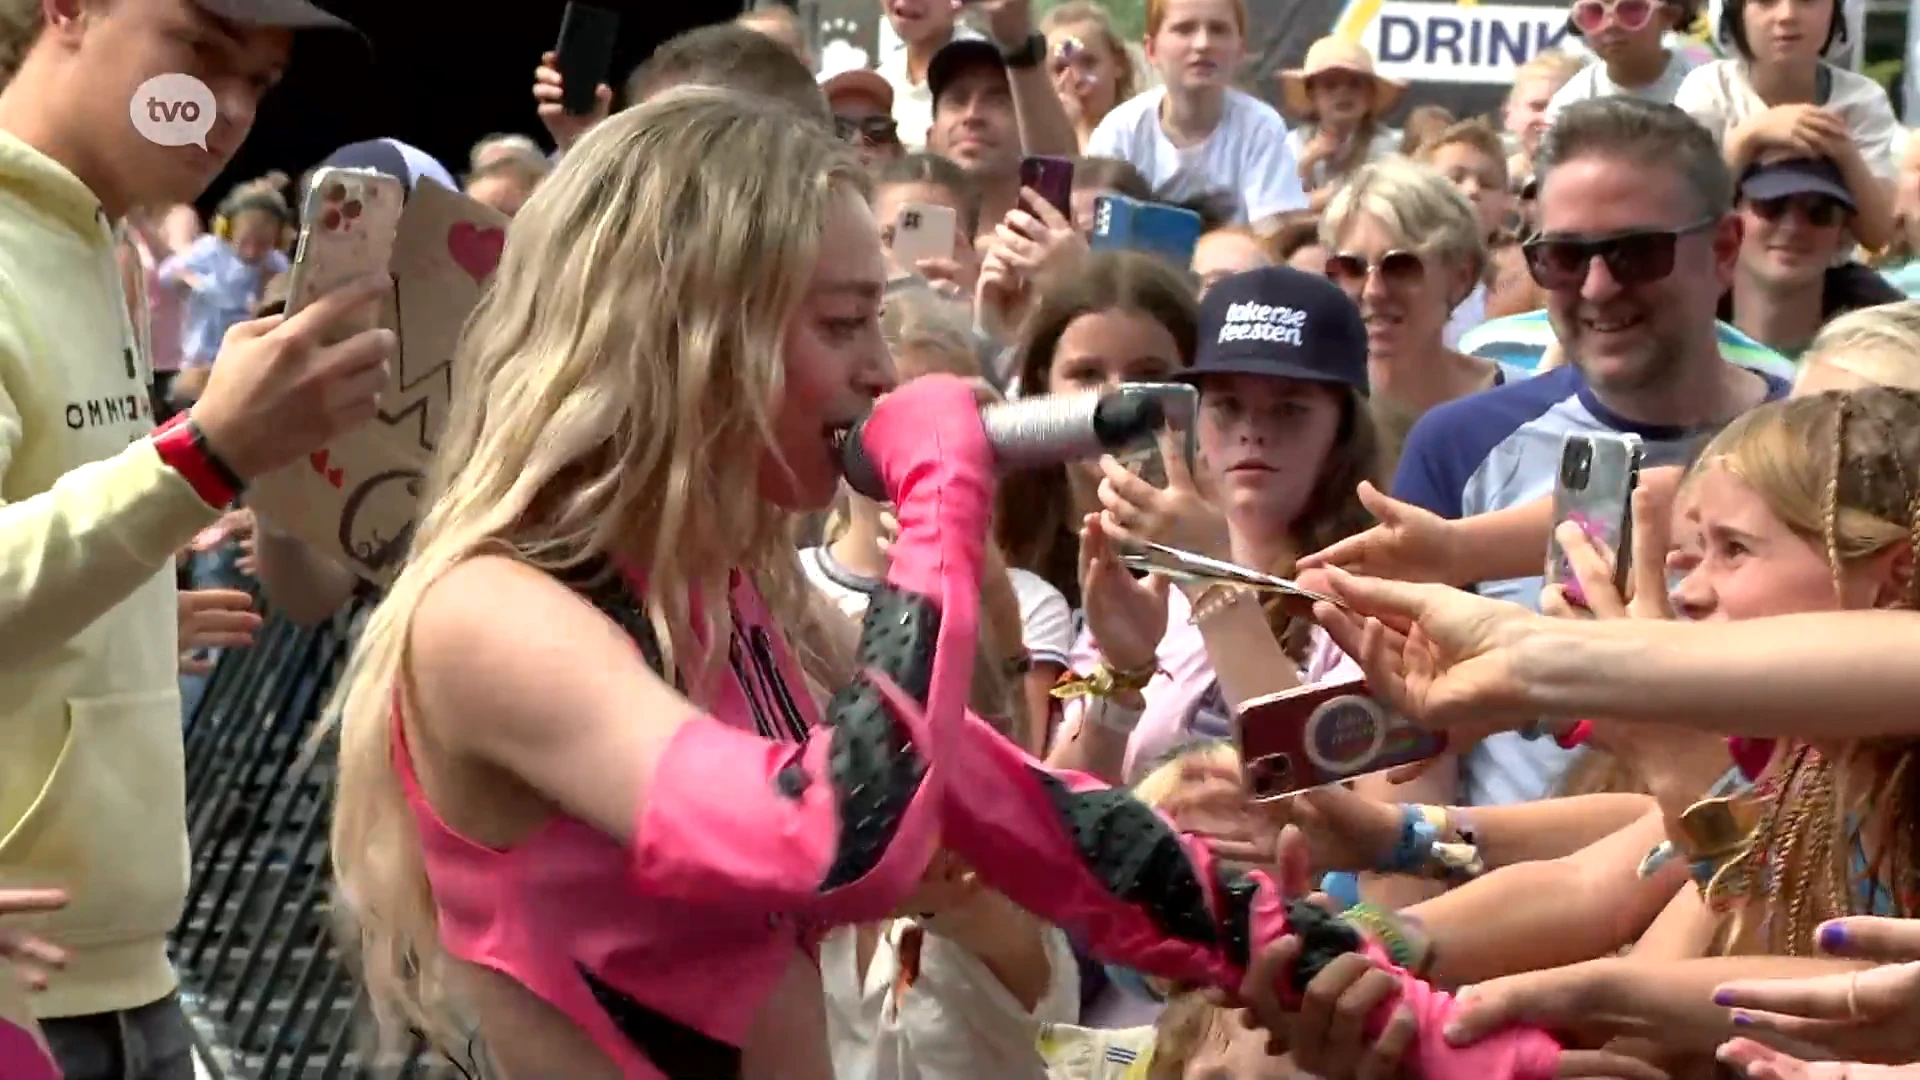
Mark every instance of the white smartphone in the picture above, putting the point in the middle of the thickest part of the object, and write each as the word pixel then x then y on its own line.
pixel 924 231
pixel 349 221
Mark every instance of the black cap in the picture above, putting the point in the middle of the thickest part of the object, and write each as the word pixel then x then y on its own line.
pixel 288 14
pixel 1796 176
pixel 958 55
pixel 1281 322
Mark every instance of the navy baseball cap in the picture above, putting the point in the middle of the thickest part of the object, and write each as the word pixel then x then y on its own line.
pixel 960 55
pixel 1281 322
pixel 1796 176
pixel 405 163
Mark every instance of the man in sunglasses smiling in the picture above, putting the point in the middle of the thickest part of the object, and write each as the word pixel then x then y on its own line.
pixel 1637 243
pixel 1794 214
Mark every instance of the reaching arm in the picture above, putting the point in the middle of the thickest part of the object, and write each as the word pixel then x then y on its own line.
pixel 1766 678
pixel 303 584
pixel 1543 914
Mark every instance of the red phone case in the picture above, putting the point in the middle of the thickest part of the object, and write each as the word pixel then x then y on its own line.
pixel 1325 734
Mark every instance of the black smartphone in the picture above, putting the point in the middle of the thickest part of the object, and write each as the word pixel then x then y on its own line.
pixel 1052 179
pixel 585 54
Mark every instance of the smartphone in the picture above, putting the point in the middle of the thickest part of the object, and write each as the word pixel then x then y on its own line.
pixel 1180 405
pixel 1122 223
pixel 1594 489
pixel 1313 736
pixel 1052 179
pixel 584 54
pixel 924 231
pixel 349 220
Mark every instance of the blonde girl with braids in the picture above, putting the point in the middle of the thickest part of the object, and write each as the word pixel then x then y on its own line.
pixel 575 815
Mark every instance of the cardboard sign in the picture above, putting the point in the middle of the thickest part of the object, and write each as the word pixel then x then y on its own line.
pixel 357 500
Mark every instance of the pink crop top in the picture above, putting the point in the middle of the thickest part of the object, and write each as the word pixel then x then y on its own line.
pixel 664 988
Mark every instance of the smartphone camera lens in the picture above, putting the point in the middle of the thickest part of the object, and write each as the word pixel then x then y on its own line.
pixel 1576 466
pixel 1271 776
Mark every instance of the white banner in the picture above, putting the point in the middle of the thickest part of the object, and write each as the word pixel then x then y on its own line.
pixel 1457 43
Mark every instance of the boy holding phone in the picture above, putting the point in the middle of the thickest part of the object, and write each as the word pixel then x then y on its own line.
pixel 99 502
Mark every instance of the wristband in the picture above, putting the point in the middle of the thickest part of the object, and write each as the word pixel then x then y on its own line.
pixel 1406 946
pixel 1418 833
pixel 1103 682
pixel 1107 713
pixel 182 446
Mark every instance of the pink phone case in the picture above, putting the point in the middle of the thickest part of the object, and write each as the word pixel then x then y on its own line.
pixel 349 223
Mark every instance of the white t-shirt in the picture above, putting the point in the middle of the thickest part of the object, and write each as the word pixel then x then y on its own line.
pixel 1386 143
pixel 1471 313
pixel 1046 622
pixel 952 1020
pixel 1592 82
pixel 1246 155
pixel 1721 97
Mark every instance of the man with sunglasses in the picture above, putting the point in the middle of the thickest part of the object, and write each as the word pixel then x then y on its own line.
pixel 1794 216
pixel 1637 243
pixel 862 104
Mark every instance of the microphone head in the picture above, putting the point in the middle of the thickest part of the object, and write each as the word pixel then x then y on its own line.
pixel 861 474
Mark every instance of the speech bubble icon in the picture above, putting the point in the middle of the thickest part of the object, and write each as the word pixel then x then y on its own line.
pixel 172 110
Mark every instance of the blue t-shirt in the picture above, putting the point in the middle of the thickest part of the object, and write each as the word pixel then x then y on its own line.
pixel 1501 448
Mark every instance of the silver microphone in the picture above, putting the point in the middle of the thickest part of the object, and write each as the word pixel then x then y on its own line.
pixel 1054 429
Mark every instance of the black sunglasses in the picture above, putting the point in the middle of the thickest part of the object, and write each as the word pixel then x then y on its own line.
pixel 1634 257
pixel 877 130
pixel 1820 211
pixel 1396 268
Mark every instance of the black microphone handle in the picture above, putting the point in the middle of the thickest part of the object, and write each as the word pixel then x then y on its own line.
pixel 1035 433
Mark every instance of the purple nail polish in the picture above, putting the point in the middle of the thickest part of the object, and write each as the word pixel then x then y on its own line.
pixel 1833 937
pixel 1742 1020
pixel 1723 997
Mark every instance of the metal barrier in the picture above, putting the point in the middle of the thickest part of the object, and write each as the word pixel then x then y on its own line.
pixel 259 972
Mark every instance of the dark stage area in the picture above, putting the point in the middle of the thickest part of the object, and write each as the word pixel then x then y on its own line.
pixel 442 75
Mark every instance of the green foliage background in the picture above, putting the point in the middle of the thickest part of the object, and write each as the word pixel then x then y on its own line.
pixel 1129 16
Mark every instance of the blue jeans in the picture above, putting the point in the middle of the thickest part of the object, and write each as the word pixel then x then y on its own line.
pixel 151 1042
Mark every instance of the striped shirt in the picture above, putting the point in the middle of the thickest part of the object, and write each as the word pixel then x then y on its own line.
pixel 1519 344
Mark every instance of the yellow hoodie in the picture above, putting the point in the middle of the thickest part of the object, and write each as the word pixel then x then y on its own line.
pixel 92 783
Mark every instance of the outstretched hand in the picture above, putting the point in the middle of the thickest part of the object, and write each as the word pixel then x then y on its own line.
pixel 1438 655
pixel 1870 1015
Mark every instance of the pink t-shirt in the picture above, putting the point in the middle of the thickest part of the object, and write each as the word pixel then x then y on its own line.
pixel 1184 702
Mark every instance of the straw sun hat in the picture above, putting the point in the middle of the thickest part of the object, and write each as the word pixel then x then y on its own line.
pixel 1336 54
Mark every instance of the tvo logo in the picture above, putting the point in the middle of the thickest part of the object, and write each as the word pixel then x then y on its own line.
pixel 173 110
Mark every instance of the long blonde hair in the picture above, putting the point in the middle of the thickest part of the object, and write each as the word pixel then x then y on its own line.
pixel 617 385
pixel 1842 470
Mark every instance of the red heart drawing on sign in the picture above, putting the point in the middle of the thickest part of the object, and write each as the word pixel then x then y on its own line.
pixel 474 249
pixel 318 459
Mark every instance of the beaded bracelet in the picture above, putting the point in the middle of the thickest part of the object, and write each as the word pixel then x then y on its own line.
pixel 1215 599
pixel 1405 945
